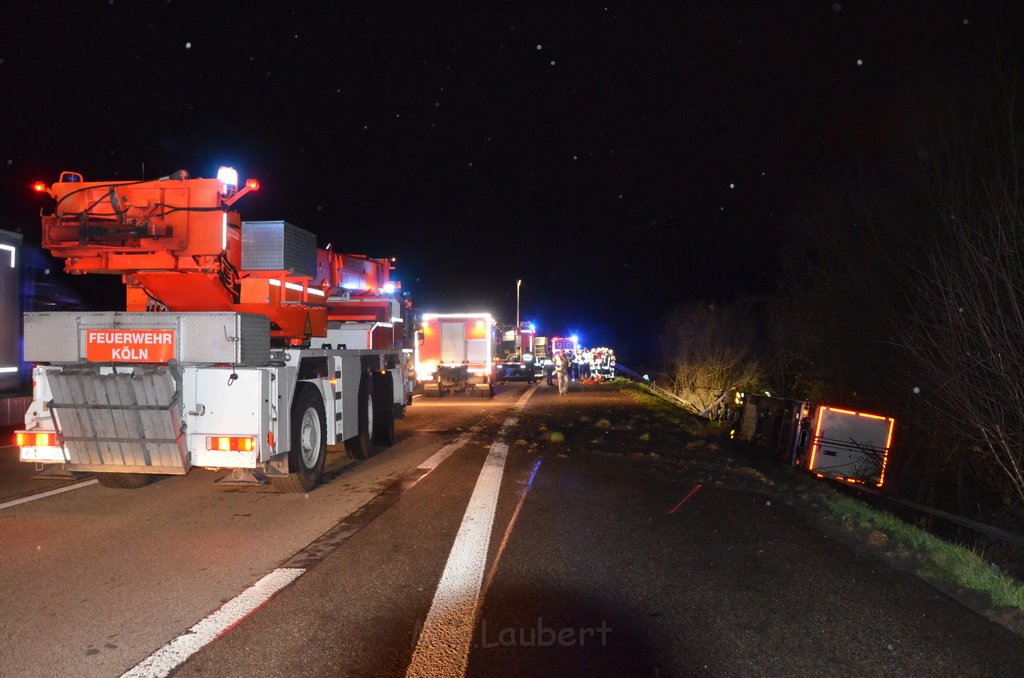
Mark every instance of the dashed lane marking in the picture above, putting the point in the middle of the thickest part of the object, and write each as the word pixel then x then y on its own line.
pixel 165 660
pixel 49 493
pixel 230 614
pixel 364 515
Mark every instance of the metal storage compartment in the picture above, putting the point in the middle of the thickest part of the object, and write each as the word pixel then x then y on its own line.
pixel 278 246
pixel 228 338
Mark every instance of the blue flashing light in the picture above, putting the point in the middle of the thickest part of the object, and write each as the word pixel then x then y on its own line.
pixel 228 176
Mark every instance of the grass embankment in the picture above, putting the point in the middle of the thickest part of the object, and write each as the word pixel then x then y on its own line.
pixel 933 559
pixel 659 405
pixel 936 560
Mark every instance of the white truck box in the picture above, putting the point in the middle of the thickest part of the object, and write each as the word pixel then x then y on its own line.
pixel 850 446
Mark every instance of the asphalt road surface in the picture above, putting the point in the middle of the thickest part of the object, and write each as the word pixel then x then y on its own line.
pixel 529 535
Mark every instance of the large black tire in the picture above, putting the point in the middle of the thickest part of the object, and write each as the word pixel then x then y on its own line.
pixel 361 446
pixel 384 413
pixel 308 454
pixel 124 481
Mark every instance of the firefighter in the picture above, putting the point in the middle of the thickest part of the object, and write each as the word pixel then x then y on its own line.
pixel 562 367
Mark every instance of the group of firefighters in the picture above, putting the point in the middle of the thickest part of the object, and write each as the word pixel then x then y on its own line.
pixel 583 365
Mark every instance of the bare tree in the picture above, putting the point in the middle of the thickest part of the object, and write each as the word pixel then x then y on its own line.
pixel 965 333
pixel 710 349
pixel 966 336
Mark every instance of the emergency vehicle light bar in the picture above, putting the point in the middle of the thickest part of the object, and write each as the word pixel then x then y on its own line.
pixel 228 176
pixel 432 316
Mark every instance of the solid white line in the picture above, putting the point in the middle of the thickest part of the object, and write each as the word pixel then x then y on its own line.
pixel 231 613
pixel 49 493
pixel 443 646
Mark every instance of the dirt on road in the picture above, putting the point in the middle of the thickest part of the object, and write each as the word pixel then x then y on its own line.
pixel 708 560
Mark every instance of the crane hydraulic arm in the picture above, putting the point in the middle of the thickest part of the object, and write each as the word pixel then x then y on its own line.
pixel 180 245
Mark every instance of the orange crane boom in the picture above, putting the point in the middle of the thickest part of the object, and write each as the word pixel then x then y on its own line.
pixel 178 244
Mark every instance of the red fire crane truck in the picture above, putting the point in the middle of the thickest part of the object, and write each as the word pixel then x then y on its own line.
pixel 455 353
pixel 242 345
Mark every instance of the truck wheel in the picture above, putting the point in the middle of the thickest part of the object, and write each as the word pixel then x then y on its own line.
pixel 309 442
pixel 124 481
pixel 383 399
pixel 361 445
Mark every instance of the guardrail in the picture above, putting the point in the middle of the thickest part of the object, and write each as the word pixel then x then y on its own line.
pixel 654 388
pixel 989 531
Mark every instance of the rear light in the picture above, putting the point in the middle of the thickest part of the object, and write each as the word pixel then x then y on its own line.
pixel 35 438
pixel 231 443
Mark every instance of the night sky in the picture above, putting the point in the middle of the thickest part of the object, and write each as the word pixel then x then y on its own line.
pixel 619 158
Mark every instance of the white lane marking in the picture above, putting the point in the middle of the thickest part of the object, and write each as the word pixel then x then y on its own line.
pixel 435 459
pixel 443 646
pixel 231 613
pixel 508 533
pixel 173 654
pixel 521 403
pixel 49 493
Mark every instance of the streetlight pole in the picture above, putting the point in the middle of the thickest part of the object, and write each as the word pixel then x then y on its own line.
pixel 519 337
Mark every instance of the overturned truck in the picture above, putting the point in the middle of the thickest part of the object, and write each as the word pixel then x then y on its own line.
pixel 828 441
